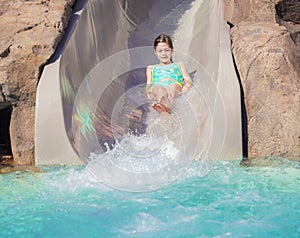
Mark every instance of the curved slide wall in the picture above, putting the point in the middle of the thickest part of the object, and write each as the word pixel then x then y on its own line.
pixel 105 57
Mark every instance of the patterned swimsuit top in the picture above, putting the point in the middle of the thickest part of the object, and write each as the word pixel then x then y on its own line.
pixel 171 71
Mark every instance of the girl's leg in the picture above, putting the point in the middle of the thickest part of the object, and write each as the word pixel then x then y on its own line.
pixel 163 104
pixel 172 91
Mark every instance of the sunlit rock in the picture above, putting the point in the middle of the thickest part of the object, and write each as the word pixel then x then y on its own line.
pixel 31 31
pixel 265 45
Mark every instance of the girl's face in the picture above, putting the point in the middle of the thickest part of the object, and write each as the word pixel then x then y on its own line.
pixel 163 52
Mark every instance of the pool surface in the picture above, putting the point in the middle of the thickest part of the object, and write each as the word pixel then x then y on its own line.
pixel 230 201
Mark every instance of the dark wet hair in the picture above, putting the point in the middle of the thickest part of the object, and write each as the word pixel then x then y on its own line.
pixel 162 38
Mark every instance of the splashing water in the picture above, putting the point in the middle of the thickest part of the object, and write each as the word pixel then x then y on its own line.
pixel 139 163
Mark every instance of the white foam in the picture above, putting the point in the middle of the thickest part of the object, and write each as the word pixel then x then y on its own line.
pixel 139 163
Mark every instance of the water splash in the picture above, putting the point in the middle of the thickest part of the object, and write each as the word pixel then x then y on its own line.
pixel 139 163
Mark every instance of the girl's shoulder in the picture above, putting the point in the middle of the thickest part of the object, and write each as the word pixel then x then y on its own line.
pixel 150 66
pixel 180 63
pixel 149 69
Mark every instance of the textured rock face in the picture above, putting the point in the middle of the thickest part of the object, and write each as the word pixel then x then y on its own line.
pixel 289 10
pixel 32 31
pixel 236 11
pixel 268 62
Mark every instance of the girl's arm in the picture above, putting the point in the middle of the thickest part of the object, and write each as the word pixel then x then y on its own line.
pixel 186 76
pixel 149 80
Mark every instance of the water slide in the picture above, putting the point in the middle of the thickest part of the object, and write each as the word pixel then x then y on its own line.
pixel 91 97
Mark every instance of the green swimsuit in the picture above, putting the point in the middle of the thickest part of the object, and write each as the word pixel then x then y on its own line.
pixel 172 72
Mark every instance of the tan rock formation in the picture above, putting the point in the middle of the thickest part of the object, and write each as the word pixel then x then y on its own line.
pixel 236 11
pixel 31 31
pixel 268 63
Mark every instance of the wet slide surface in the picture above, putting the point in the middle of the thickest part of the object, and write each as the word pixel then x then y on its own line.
pixel 107 120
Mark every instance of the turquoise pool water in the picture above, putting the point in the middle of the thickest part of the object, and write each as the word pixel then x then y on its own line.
pixel 230 201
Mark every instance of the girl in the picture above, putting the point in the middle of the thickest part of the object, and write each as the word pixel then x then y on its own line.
pixel 166 79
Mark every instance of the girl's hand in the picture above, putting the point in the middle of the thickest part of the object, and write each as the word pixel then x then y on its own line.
pixel 148 91
pixel 149 95
pixel 186 87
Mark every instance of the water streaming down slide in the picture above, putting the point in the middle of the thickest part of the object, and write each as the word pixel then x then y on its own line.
pixel 101 116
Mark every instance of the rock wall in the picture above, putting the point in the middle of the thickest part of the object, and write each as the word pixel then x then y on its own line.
pixel 266 49
pixel 30 32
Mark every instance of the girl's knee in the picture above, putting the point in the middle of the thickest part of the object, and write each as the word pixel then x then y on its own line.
pixel 172 94
pixel 161 90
